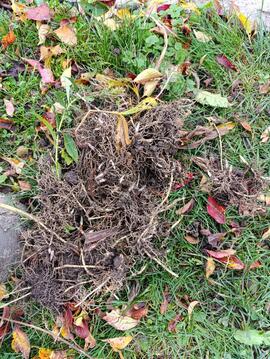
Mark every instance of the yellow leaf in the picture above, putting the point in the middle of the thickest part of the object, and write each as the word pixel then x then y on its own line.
pixel 20 342
pixel 19 10
pixel 3 291
pixel 201 36
pixel 67 35
pixel 43 31
pixel 119 321
pixel 147 75
pixel 191 306
pixel 16 164
pixel 150 87
pixel 146 104
pixel 121 138
pixel 225 127
pixel 190 6
pixel 118 343
pixel 246 23
pixel 44 353
pixel 210 267
pixel 78 321
pixel 123 13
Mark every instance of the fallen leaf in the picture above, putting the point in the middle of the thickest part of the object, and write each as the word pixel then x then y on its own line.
pixel 266 234
pixel 256 264
pixel 191 239
pixel 3 292
pixel 186 208
pixel 67 35
pixel 232 262
pixel 50 51
pixel 138 311
pixel 65 81
pixel 224 61
pixel 191 307
pixel 225 253
pixel 210 267
pixel 173 323
pixel 6 124
pixel 43 31
pixel 119 321
pixel 89 342
pixel 16 164
pixel 246 23
pixel 166 301
pixel 20 342
pixel 19 10
pixel 211 99
pixel 44 353
pixel 45 73
pixel 264 88
pixel 265 135
pixel 214 239
pixel 191 6
pixel 150 87
pixel 25 186
pixel 8 39
pixel 9 107
pixel 122 137
pixel 147 75
pixel 60 354
pixel 264 198
pixel 111 24
pixel 39 13
pixel 205 184
pixel 118 343
pixel 252 337
pixel 201 36
pixel 216 211
pixel 146 104
pixel 246 126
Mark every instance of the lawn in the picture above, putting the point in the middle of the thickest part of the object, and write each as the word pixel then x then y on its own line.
pixel 232 317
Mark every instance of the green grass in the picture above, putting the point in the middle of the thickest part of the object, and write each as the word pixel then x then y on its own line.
pixel 236 300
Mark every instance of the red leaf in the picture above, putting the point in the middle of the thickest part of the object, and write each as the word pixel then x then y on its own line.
pixel 173 323
pixel 215 210
pixel 6 124
pixel 163 7
pixel 221 254
pixel 39 13
pixel 224 61
pixel 138 311
pixel 186 208
pixel 232 262
pixel 82 331
pixel 256 264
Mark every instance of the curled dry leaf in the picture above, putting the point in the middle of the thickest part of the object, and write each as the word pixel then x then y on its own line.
pixel 122 137
pixel 46 52
pixel 173 323
pixel 67 35
pixel 138 311
pixel 186 208
pixel 191 239
pixel 16 164
pixel 265 135
pixel 43 31
pixel 266 234
pixel 39 13
pixel 147 75
pixel 246 126
pixel 20 342
pixel 256 264
pixel 232 262
pixel 3 292
pixel 8 39
pixel 201 36
pixel 119 321
pixel 166 301
pixel 210 267
pixel 191 307
pixel 216 211
pixel 9 107
pixel 225 62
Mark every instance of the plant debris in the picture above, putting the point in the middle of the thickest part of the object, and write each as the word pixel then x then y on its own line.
pixel 106 208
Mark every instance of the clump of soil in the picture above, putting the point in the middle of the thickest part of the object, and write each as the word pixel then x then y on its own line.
pixel 103 214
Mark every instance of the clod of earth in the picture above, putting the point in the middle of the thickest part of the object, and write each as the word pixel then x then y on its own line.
pixel 106 208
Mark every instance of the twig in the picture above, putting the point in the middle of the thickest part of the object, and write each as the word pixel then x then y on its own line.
pixel 18 290
pixel 176 223
pixel 220 146
pixel 32 218
pixel 94 111
pixel 76 266
pixel 165 85
pixel 163 53
pixel 45 331
pixel 76 285
pixel 14 300
pixel 92 292
pixel 161 264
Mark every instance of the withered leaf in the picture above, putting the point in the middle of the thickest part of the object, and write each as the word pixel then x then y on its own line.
pixel 138 311
pixel 224 61
pixel 191 307
pixel 20 342
pixel 166 301
pixel 191 239
pixel 256 264
pixel 210 267
pixel 119 321
pixel 39 13
pixel 173 323
pixel 67 35
pixel 8 39
pixel 216 211
pixel 186 208
pixel 119 343
pixel 122 137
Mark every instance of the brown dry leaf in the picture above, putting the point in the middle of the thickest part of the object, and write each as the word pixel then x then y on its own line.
pixel 265 88
pixel 138 311
pixel 150 87
pixel 20 342
pixel 210 267
pixel 246 126
pixel 122 137
pixel 191 239
pixel 43 31
pixel 266 234
pixel 256 264
pixel 8 39
pixel 265 135
pixel 25 186
pixel 90 342
pixel 173 323
pixel 191 306
pixel 166 301
pixel 67 35
pixel 186 208
pixel 9 107
pixel 147 75
pixel 119 321
pixel 205 185
pixel 3 292
pixel 50 51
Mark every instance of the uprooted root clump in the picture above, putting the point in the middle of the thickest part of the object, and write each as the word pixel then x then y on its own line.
pixel 103 214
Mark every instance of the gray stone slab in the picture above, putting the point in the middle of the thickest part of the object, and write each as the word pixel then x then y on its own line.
pixel 10 227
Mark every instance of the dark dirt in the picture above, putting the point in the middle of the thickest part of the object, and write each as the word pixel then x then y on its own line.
pixel 106 208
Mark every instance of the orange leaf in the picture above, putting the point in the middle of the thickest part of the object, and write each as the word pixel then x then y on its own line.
pixel 191 239
pixel 256 264
pixel 20 342
pixel 118 343
pixel 67 35
pixel 232 262
pixel 138 311
pixel 8 39
pixel 246 126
